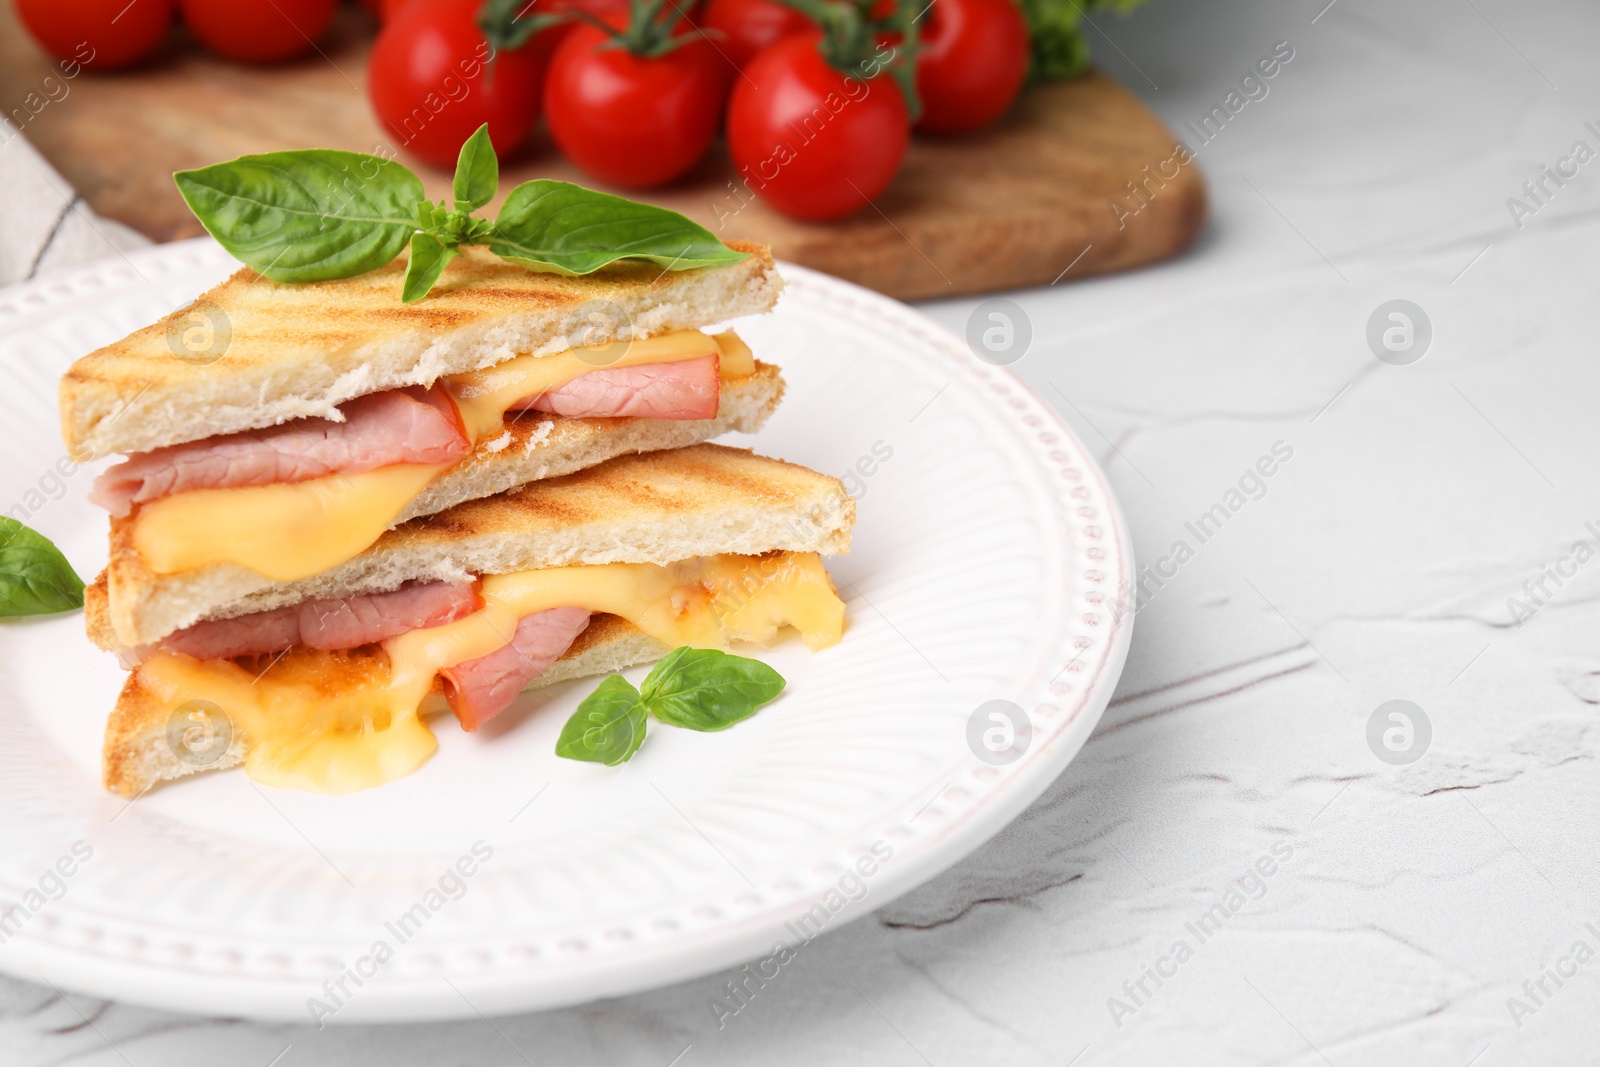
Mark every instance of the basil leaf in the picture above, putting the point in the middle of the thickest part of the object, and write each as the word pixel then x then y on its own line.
pixel 567 229
pixel 703 689
pixel 428 260
pixel 35 578
pixel 608 726
pixel 306 216
pixel 477 172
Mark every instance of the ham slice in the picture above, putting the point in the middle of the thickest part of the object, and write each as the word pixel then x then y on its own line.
pixel 413 425
pixel 482 688
pixel 346 622
pixel 685 390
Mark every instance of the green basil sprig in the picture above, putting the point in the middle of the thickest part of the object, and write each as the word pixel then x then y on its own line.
pixel 316 214
pixel 35 578
pixel 306 216
pixel 696 688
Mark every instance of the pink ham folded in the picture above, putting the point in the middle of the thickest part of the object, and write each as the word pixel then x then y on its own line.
pixel 482 688
pixel 686 390
pixel 413 425
pixel 346 622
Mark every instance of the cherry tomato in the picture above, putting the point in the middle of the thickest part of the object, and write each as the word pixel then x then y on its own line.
pixel 812 141
pixel 741 28
pixel 90 32
pixel 434 79
pixel 258 31
pixel 629 120
pixel 971 58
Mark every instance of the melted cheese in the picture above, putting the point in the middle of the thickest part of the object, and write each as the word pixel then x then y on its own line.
pixel 338 722
pixel 737 360
pixel 284 531
pixel 294 530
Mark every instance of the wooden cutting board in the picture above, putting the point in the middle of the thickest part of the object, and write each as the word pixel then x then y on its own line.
pixel 1011 206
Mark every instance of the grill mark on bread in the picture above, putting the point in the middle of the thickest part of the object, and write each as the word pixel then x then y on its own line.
pixel 296 348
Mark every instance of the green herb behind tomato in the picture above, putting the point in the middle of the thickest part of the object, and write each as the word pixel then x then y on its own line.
pixel 1058 47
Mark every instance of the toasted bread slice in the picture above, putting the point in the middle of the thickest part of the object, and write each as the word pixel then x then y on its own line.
pixel 253 353
pixel 653 507
pixel 137 753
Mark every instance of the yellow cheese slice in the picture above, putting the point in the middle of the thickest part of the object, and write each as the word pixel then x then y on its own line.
pixel 290 531
pixel 339 722
pixel 737 360
pixel 285 531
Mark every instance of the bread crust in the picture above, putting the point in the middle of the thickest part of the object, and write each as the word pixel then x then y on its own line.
pixel 137 753
pixel 264 353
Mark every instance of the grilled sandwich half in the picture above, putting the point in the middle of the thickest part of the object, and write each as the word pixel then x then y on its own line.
pixel 274 432
pixel 324 683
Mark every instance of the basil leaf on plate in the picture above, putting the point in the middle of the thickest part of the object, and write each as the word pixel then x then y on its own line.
pixel 306 216
pixel 35 578
pixel 428 260
pixel 608 726
pixel 477 172
pixel 565 228
pixel 703 689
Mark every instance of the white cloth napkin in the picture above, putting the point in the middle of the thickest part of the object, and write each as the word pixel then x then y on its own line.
pixel 44 224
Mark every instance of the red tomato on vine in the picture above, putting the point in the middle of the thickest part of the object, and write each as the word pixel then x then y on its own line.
pixel 815 141
pixel 636 104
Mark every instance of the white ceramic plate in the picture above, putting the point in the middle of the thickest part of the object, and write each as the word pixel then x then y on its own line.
pixel 988 559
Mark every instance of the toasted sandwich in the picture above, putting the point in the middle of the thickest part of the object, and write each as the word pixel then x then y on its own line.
pixel 274 432
pixel 323 683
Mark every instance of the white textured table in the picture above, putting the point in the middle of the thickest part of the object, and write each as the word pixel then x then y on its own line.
pixel 1430 912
